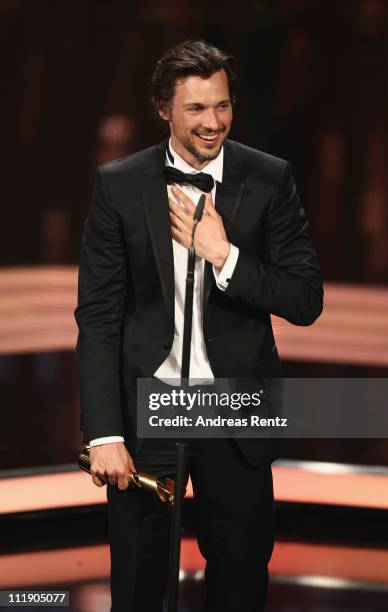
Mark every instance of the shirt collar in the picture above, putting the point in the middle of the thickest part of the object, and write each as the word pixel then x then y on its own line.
pixel 214 167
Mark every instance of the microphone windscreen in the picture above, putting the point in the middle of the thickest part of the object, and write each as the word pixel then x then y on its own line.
pixel 199 209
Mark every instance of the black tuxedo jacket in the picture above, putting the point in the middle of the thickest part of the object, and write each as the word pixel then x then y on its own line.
pixel 125 310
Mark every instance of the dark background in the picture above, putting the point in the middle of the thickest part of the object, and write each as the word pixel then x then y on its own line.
pixel 75 93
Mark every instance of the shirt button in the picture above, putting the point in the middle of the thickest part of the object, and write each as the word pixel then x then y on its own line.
pixel 210 339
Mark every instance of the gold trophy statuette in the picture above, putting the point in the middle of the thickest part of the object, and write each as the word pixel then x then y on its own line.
pixel 163 487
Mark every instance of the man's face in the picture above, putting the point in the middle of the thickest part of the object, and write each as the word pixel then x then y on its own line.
pixel 200 117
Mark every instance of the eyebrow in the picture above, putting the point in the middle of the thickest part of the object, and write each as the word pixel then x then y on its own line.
pixel 203 105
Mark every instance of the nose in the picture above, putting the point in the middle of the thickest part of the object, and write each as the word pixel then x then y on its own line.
pixel 210 120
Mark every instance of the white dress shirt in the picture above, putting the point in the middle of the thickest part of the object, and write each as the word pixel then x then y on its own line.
pixel 200 370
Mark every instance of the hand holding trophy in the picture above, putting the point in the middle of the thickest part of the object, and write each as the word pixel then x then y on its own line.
pixel 162 487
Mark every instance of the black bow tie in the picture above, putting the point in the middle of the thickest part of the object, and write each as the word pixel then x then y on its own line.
pixel 201 180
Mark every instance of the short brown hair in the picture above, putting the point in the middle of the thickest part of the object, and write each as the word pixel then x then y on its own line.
pixel 190 58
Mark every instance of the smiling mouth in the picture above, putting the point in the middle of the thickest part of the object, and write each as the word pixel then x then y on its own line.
pixel 208 139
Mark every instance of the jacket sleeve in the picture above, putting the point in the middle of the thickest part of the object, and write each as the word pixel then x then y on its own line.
pixel 286 280
pixel 102 288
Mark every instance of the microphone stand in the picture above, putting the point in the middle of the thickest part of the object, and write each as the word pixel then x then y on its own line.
pixel 181 447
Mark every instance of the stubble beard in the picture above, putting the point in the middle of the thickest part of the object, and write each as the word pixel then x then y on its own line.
pixel 201 157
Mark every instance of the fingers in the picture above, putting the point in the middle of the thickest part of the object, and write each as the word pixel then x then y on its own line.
pixel 111 463
pixel 179 215
pixel 118 477
pixel 185 218
pixel 181 224
pixel 183 238
pixel 186 213
pixel 182 219
pixel 182 213
pixel 122 482
pixel 98 481
pixel 184 199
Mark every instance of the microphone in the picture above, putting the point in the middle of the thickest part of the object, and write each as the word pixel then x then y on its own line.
pixel 198 214
pixel 199 209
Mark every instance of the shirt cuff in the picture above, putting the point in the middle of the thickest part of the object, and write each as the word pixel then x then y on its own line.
pixel 225 274
pixel 106 440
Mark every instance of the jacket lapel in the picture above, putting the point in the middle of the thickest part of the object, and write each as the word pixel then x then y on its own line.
pixel 229 194
pixel 158 220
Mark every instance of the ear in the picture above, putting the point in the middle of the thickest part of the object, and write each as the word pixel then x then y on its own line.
pixel 164 114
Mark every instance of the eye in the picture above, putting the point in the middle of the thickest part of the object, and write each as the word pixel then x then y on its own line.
pixel 194 109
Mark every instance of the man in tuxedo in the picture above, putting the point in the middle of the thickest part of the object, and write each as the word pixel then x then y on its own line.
pixel 254 258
